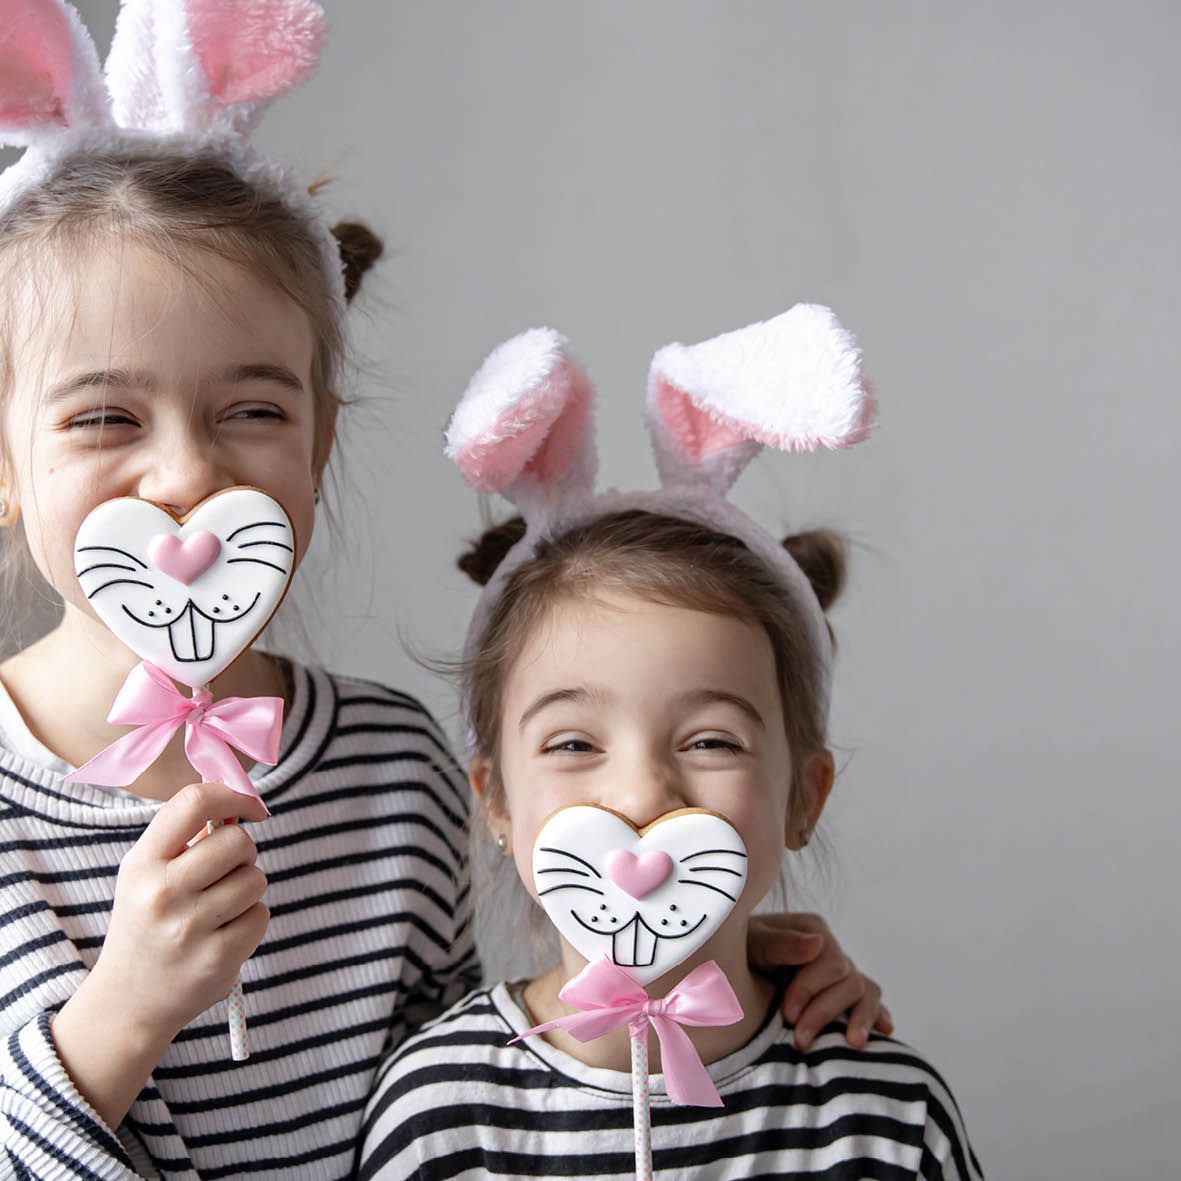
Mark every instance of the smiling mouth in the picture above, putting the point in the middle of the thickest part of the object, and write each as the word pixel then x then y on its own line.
pixel 191 633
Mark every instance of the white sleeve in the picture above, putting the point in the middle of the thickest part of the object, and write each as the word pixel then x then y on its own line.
pixel 49 1130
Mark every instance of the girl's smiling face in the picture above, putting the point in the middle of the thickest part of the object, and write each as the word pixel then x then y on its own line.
pixel 644 708
pixel 140 379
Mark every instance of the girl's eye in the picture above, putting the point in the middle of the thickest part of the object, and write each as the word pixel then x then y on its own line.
pixel 100 418
pixel 569 746
pixel 715 742
pixel 254 412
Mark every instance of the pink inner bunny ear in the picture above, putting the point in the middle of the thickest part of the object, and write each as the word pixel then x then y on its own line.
pixel 36 64
pixel 697 433
pixel 793 383
pixel 524 423
pixel 253 50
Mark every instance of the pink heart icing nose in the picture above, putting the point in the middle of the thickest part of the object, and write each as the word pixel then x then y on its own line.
pixel 184 560
pixel 638 876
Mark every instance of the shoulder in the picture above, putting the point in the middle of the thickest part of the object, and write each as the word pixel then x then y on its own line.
pixel 435 1081
pixel 889 1090
pixel 375 733
pixel 473 1029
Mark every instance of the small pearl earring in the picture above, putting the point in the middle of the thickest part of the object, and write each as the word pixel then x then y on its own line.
pixel 502 842
pixel 3 509
pixel 316 496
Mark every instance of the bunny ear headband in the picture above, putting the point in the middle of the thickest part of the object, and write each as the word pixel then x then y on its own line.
pixel 190 76
pixel 524 429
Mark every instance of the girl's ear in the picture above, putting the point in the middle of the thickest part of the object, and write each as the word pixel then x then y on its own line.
pixel 818 778
pixel 325 437
pixel 524 425
pixel 480 772
pixel 793 383
pixel 480 780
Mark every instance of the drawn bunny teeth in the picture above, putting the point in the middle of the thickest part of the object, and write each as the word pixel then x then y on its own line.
pixel 191 635
pixel 635 945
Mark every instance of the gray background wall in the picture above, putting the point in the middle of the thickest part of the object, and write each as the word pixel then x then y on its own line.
pixel 988 196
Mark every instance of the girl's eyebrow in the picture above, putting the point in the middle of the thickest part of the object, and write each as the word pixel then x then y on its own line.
pixel 697 697
pixel 278 374
pixel 118 379
pixel 580 696
pixel 126 379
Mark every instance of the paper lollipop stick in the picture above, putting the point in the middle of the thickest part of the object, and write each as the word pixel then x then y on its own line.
pixel 641 1106
pixel 188 596
pixel 235 1002
pixel 636 903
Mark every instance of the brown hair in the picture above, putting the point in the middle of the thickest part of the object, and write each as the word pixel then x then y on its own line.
pixel 665 560
pixel 180 206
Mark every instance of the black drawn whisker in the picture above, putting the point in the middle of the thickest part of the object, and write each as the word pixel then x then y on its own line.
pixel 706 886
pixel 106 566
pixel 257 562
pixel 573 857
pixel 256 525
pixel 113 549
pixel 571 886
pixel 707 852
pixel 120 582
pixel 566 869
pixel 714 869
pixel 281 544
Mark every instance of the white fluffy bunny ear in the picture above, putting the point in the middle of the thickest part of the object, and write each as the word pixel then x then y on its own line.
pixel 524 426
pixel 49 74
pixel 196 65
pixel 793 383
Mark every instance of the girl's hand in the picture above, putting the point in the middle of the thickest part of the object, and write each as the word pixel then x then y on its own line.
pixel 187 915
pixel 827 985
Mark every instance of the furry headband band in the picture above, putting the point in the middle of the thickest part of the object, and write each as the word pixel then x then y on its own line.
pixel 187 76
pixel 524 429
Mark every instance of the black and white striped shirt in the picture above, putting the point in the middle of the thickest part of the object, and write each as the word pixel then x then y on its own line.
pixel 457 1101
pixel 369 930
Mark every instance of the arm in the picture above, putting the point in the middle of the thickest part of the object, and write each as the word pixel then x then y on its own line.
pixel 46 1127
pixel 451 967
pixel 827 984
pixel 947 1154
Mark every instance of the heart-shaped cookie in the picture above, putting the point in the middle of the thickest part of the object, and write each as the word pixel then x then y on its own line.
pixel 647 898
pixel 187 595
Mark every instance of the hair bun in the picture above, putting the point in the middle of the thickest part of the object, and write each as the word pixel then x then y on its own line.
pixel 480 560
pixel 360 248
pixel 822 555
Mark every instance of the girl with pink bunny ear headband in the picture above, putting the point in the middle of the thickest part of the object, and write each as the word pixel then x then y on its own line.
pixel 794 383
pixel 183 76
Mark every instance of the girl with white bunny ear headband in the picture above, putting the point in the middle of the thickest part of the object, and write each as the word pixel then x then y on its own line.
pixel 524 428
pixel 188 77
pixel 645 744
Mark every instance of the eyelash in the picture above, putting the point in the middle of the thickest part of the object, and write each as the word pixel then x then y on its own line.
pixel 257 412
pixel 715 744
pixel 564 747
pixel 100 418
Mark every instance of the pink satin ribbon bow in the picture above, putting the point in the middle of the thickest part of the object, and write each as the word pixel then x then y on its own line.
pixel 152 703
pixel 611 999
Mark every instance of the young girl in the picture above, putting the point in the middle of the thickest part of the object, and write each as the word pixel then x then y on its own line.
pixel 172 326
pixel 646 653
